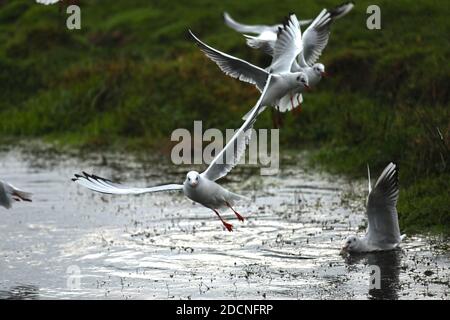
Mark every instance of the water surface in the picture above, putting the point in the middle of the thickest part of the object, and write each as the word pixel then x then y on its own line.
pixel 163 246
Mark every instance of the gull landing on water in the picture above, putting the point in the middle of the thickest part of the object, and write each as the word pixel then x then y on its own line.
pixel 285 91
pixel 8 193
pixel 199 187
pixel 383 231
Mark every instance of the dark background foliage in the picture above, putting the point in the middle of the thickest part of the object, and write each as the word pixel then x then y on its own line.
pixel 131 76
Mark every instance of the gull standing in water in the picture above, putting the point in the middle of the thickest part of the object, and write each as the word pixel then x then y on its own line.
pixel 8 193
pixel 199 187
pixel 383 231
pixel 284 82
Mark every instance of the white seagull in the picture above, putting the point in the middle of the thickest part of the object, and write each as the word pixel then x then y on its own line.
pixel 8 193
pixel 383 231
pixel 286 88
pixel 314 40
pixel 199 187
pixel 265 39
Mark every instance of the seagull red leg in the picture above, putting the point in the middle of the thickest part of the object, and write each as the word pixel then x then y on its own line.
pixel 226 224
pixel 240 218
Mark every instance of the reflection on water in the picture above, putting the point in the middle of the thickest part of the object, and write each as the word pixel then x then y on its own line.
pixel 389 263
pixel 162 246
pixel 22 292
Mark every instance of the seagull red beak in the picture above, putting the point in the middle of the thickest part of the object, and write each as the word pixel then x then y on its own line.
pixel 308 88
pixel 325 75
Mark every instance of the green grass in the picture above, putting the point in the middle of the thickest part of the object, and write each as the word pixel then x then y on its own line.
pixel 131 76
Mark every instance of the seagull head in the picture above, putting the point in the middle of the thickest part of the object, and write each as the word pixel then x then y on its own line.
pixel 193 178
pixel 350 244
pixel 302 79
pixel 319 69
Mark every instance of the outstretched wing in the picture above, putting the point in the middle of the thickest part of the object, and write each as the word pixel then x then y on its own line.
pixel 316 36
pixel 255 29
pixel 381 208
pixel 232 66
pixel 287 46
pixel 245 28
pixel 8 193
pixel 103 185
pixel 341 10
pixel 235 148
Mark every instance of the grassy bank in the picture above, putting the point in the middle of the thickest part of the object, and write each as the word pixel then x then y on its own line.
pixel 130 77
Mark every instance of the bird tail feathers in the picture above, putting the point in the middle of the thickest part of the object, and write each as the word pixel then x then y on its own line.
pixel 236 197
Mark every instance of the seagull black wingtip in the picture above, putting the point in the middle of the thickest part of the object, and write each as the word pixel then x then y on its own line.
pixel 100 178
pixel 191 35
pixel 86 175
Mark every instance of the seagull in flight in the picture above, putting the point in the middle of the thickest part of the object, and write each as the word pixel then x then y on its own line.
pixel 8 193
pixel 286 87
pixel 383 231
pixel 314 40
pixel 199 187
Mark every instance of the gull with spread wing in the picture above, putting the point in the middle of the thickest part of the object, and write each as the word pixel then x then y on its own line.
pixel 265 40
pixel 8 193
pixel 286 86
pixel 199 187
pixel 314 40
pixel 383 231
pixel 267 32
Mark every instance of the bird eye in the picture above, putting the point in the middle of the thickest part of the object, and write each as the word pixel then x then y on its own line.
pixel 298 78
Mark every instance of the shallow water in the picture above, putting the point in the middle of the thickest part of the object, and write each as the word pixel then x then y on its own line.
pixel 163 246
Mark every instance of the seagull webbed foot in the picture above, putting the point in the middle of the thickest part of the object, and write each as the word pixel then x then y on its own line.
pixel 228 226
pixel 240 218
